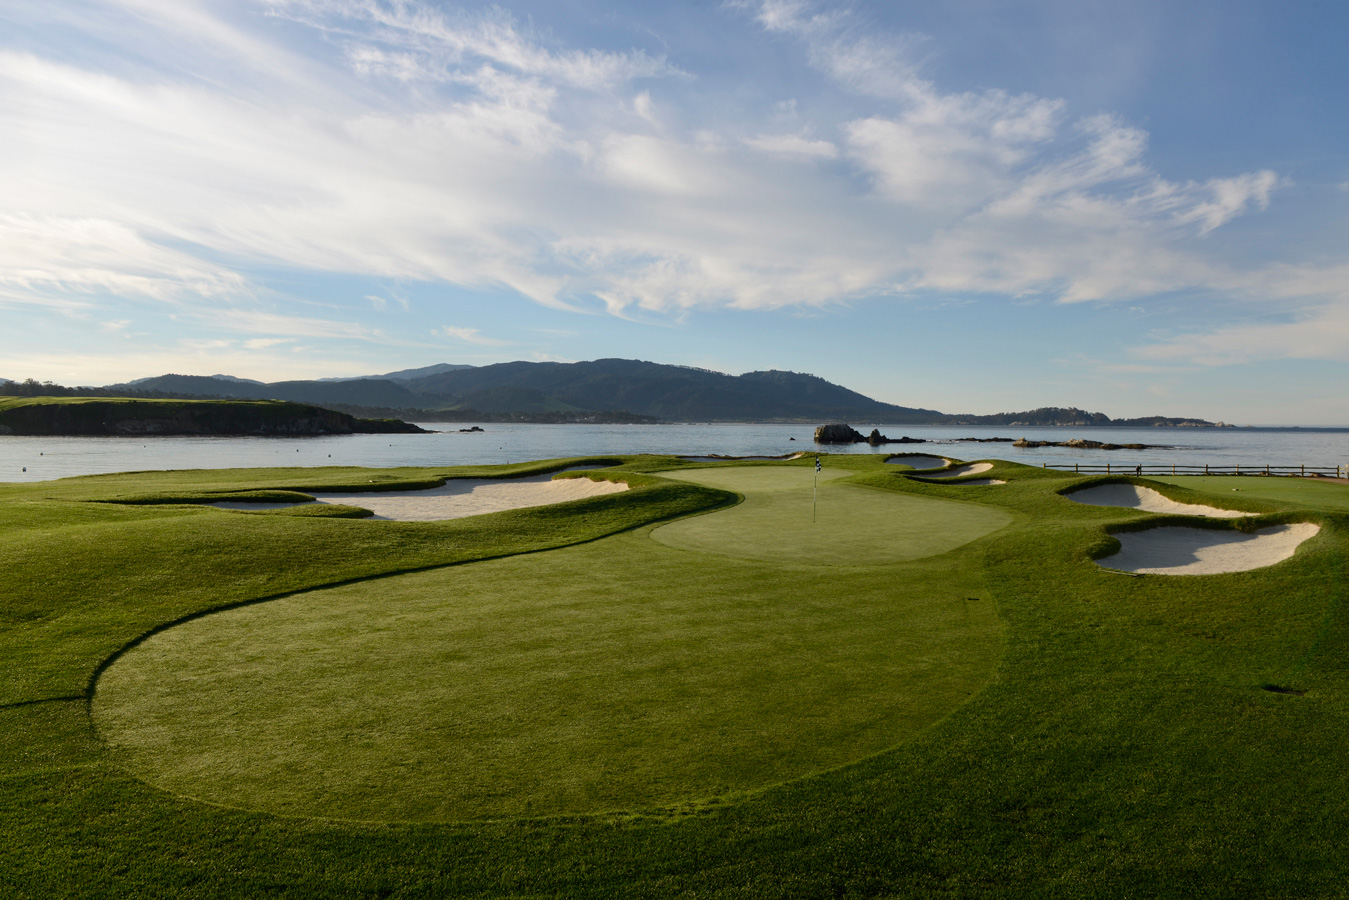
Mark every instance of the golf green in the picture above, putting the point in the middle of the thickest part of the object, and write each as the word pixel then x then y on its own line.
pixel 784 519
pixel 1302 491
pixel 616 675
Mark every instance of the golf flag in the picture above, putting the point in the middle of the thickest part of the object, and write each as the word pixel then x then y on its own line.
pixel 815 490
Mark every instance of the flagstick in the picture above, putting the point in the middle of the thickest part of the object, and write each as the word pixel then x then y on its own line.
pixel 815 492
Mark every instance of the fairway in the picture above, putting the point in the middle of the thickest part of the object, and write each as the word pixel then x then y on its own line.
pixel 561 702
pixel 848 526
pixel 616 675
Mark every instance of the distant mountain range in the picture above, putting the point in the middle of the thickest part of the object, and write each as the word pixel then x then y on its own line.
pixel 400 375
pixel 604 390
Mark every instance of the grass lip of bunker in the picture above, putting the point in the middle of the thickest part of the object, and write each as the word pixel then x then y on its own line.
pixel 918 461
pixel 961 471
pixel 457 498
pixel 1134 496
pixel 1184 550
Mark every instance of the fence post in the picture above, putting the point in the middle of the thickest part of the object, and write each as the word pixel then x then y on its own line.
pixel 1107 468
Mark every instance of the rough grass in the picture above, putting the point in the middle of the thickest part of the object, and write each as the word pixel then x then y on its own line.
pixel 1127 747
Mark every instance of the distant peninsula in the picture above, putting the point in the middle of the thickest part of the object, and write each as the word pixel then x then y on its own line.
pixel 107 416
pixel 602 391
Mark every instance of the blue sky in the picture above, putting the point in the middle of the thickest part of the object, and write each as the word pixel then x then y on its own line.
pixel 972 206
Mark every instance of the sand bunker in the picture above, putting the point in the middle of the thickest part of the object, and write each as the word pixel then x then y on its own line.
pixel 972 481
pixel 1132 496
pixel 1176 550
pixel 919 461
pixel 958 471
pixel 459 497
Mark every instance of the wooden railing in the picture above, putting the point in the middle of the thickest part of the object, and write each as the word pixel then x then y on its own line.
pixel 1176 469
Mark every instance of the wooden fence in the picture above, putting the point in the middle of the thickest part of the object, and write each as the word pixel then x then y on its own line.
pixel 1174 469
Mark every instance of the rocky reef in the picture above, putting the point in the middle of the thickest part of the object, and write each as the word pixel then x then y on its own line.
pixel 839 433
pixel 1080 444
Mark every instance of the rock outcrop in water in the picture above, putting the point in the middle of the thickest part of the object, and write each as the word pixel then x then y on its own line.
pixel 1080 444
pixel 839 433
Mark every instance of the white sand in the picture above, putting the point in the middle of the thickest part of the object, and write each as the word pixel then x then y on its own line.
pixel 958 471
pixel 462 497
pixel 919 461
pixel 974 481
pixel 1176 550
pixel 1132 496
pixel 458 497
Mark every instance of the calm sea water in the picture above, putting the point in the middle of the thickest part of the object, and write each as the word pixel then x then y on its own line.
pixel 47 458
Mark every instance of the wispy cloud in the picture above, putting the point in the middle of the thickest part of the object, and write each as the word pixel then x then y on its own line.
pixel 45 255
pixel 1289 313
pixel 793 145
pixel 415 41
pixel 429 144
pixel 468 336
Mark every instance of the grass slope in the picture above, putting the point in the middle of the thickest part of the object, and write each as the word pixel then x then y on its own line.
pixel 1127 746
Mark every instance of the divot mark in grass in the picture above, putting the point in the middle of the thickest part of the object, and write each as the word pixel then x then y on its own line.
pixel 1281 689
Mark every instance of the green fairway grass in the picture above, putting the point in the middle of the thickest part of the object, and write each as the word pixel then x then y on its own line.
pixel 610 676
pixel 781 521
pixel 1301 491
pixel 552 702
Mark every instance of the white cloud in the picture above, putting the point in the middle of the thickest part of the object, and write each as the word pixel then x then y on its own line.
pixel 793 145
pixel 70 257
pixel 1288 313
pixel 1317 333
pixel 443 146
pixel 467 336
pixel 1231 197
pixel 252 321
pixel 414 41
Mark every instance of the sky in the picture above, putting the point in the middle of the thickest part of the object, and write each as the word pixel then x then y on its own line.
pixel 972 206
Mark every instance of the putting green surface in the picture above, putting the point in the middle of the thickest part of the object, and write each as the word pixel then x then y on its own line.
pixel 783 520
pixel 1302 491
pixel 616 675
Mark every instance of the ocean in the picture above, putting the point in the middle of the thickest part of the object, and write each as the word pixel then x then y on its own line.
pixel 44 458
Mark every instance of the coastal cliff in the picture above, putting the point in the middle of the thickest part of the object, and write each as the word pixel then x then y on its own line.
pixel 64 416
